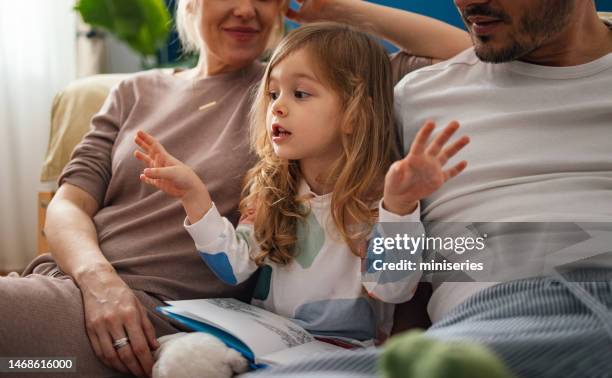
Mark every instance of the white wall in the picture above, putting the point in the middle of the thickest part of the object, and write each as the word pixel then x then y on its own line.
pixel 120 58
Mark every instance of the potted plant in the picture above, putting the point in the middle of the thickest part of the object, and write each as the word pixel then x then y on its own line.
pixel 144 25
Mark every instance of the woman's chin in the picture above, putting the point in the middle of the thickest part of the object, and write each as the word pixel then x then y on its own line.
pixel 243 58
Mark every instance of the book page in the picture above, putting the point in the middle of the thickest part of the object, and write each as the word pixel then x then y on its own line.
pixel 299 352
pixel 262 331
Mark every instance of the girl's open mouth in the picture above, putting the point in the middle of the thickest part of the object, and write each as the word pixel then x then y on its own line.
pixel 279 134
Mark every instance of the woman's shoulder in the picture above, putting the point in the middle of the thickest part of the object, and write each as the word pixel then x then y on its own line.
pixel 173 80
pixel 146 79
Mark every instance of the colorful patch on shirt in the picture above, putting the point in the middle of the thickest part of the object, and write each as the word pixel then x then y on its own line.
pixel 310 240
pixel 262 288
pixel 245 233
pixel 220 265
pixel 353 318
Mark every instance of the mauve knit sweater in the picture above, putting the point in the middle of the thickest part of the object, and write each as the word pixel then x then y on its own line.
pixel 140 229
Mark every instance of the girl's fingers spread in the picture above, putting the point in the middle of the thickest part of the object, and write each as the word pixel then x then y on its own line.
pixel 159 173
pixel 439 142
pixel 144 158
pixel 142 144
pixel 145 136
pixel 152 145
pixel 420 141
pixel 149 181
pixel 454 171
pixel 158 160
pixel 451 151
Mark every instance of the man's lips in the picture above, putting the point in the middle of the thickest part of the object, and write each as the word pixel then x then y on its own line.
pixel 481 19
pixel 483 24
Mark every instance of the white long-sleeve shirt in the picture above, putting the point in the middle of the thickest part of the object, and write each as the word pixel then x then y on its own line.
pixel 323 288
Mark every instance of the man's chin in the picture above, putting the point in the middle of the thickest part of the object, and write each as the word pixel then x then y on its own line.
pixel 489 54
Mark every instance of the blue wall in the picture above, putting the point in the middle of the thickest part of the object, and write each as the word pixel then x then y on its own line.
pixel 445 9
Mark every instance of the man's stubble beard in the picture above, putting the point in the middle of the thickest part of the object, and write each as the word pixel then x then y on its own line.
pixel 535 29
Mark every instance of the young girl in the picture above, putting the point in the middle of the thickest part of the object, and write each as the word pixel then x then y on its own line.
pixel 323 129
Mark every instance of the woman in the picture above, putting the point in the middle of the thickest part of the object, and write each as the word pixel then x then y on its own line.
pixel 119 248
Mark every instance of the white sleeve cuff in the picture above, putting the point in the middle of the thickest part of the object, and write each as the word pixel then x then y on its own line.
pixel 207 229
pixel 387 216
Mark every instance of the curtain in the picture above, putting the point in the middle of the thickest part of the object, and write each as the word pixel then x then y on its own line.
pixel 91 56
pixel 37 59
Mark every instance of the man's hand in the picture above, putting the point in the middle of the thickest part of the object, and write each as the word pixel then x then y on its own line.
pixel 421 172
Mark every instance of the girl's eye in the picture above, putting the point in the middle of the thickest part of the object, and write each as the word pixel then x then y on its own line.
pixel 273 95
pixel 301 94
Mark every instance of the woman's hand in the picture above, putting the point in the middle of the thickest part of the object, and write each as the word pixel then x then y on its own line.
pixel 421 172
pixel 171 176
pixel 113 312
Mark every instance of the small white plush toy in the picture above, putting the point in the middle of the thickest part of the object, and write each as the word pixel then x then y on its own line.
pixel 186 355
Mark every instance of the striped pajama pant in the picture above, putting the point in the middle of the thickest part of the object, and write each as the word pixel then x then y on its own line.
pixel 558 326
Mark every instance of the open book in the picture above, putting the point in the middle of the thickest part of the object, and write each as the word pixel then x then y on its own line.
pixel 261 336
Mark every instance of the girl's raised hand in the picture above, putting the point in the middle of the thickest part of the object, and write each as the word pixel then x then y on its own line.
pixel 422 172
pixel 164 171
pixel 170 175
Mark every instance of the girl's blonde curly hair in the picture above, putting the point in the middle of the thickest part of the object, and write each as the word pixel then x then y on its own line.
pixel 357 69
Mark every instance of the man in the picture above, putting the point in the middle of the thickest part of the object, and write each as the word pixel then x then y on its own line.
pixel 534 94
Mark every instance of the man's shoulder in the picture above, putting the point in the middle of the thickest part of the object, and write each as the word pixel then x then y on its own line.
pixel 465 60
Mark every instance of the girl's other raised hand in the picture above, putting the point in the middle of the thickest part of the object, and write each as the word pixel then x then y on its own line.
pixel 422 172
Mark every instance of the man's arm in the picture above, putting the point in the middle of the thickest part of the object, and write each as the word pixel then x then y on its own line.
pixel 416 34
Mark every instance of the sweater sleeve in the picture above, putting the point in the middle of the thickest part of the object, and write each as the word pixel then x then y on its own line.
pixel 226 251
pixel 391 271
pixel 90 165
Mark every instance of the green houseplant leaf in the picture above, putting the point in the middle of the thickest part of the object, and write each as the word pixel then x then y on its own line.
pixel 143 24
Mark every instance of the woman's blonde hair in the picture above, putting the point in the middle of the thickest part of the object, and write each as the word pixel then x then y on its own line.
pixel 189 30
pixel 358 70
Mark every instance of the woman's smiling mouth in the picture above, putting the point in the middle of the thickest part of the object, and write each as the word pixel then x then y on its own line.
pixel 242 33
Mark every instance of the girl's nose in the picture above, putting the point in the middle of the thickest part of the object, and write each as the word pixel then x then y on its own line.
pixel 279 110
pixel 244 9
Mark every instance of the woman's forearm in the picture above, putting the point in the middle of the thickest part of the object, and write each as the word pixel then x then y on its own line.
pixel 413 33
pixel 72 236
